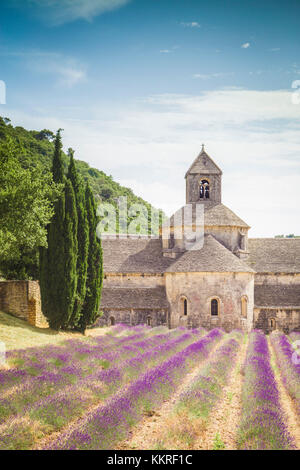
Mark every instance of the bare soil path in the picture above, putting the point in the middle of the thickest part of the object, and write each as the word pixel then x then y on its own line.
pixel 146 432
pixel 292 418
pixel 225 417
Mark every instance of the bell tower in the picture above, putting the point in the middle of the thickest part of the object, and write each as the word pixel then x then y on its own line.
pixel 204 181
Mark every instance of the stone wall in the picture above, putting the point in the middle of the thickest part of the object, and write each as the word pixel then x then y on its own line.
pixel 133 280
pixel 284 316
pixel 277 278
pixel 283 319
pixel 23 300
pixel 229 236
pixel 200 288
pixel 215 187
pixel 151 317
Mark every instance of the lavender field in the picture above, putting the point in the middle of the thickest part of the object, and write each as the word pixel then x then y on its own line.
pixel 153 388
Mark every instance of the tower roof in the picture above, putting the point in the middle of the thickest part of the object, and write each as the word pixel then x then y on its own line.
pixel 204 165
pixel 217 215
pixel 213 257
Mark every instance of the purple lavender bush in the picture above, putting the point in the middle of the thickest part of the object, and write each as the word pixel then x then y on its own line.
pixel 107 424
pixel 289 365
pixel 57 385
pixel 262 424
pixel 201 396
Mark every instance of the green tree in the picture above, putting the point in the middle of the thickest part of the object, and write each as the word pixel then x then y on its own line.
pixel 26 206
pixel 70 255
pixel 90 311
pixel 57 163
pixel 82 236
pixel 52 270
pixel 58 263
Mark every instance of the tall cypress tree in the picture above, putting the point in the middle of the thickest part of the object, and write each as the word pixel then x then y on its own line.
pixel 70 254
pixel 58 277
pixel 95 266
pixel 52 271
pixel 57 164
pixel 82 235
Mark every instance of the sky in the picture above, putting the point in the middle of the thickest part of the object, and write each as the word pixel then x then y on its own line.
pixel 139 85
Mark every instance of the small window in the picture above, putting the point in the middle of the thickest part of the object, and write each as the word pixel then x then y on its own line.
pixel 214 307
pixel 149 320
pixel 273 323
pixel 244 307
pixel 171 241
pixel 184 306
pixel 242 241
pixel 112 321
pixel 204 189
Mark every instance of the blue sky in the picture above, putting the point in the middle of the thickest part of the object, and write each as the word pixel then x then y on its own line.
pixel 139 85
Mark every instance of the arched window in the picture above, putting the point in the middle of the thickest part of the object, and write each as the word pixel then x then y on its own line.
pixel 214 307
pixel 204 189
pixel 112 321
pixel 184 306
pixel 149 320
pixel 242 241
pixel 244 302
pixel 171 241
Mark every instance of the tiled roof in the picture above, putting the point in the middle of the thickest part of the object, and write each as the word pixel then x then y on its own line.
pixel 222 216
pixel 204 164
pixel 127 255
pixel 145 256
pixel 138 298
pixel 213 257
pixel 216 215
pixel 277 295
pixel 276 255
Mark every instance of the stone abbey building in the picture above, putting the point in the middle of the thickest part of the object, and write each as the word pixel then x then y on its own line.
pixel 229 281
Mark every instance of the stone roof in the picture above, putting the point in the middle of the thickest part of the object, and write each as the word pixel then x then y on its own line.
pixel 140 297
pixel 203 164
pixel 274 255
pixel 222 216
pixel 128 255
pixel 277 295
pixel 213 257
pixel 216 215
pixel 142 255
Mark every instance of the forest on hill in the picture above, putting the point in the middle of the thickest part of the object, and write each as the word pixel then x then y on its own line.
pixel 33 153
pixel 36 149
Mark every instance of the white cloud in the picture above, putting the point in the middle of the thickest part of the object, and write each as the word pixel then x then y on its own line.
pixel 245 45
pixel 165 51
pixel 191 24
pixel 275 49
pixel 254 136
pixel 65 11
pixel 67 71
pixel 70 75
pixel 204 76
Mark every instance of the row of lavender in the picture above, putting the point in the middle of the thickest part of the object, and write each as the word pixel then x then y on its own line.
pixel 262 425
pixel 104 426
pixel 44 365
pixel 188 420
pixel 288 362
pixel 56 385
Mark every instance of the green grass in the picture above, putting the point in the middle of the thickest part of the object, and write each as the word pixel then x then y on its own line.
pixel 218 443
pixel 18 334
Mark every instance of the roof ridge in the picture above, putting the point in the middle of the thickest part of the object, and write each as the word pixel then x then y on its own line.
pixel 203 152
